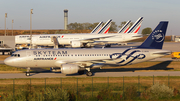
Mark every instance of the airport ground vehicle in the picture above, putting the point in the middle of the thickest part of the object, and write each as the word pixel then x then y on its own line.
pixel 175 55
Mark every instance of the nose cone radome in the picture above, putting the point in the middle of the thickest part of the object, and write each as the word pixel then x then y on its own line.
pixel 8 61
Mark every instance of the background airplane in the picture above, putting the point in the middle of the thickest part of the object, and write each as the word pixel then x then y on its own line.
pixel 125 28
pixel 78 60
pixel 97 28
pixel 86 40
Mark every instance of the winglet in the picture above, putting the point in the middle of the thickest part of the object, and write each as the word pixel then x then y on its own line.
pixel 136 26
pixel 106 27
pixel 97 28
pixel 156 39
pixel 125 28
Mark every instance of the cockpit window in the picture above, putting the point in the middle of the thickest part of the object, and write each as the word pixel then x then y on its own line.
pixel 15 55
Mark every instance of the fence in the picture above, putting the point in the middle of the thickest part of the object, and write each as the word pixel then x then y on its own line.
pixel 84 87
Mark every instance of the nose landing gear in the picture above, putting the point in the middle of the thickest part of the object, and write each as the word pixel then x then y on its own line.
pixel 28 73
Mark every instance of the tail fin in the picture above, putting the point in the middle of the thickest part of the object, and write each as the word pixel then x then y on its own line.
pixel 106 27
pixel 156 39
pixel 136 26
pixel 125 28
pixel 97 28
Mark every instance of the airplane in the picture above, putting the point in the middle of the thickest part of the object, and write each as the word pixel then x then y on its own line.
pixel 25 39
pixel 136 26
pixel 106 27
pixel 84 40
pixel 78 60
pixel 97 28
pixel 125 28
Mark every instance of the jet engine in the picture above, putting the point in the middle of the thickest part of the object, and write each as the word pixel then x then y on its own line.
pixel 76 44
pixel 69 68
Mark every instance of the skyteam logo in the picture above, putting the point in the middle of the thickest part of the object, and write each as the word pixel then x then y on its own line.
pixel 127 56
pixel 158 36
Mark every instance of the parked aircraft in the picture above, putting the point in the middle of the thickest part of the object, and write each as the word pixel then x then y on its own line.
pixel 125 28
pixel 78 60
pixel 136 26
pixel 25 39
pixel 97 28
pixel 85 40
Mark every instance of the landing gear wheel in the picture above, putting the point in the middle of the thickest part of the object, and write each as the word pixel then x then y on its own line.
pixel 81 72
pixel 27 74
pixel 108 45
pixel 88 73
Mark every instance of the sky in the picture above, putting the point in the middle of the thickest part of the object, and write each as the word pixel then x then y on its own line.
pixel 49 14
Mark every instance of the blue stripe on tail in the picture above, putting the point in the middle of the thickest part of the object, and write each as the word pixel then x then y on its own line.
pixel 156 39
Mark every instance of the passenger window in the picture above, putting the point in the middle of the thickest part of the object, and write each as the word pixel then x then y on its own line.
pixel 18 55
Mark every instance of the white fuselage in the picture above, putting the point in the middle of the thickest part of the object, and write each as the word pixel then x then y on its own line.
pixel 66 39
pixel 57 57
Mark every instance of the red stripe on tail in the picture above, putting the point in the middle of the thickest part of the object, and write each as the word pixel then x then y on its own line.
pixel 126 30
pixel 106 30
pixel 137 29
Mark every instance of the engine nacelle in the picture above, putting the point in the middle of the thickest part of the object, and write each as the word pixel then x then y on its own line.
pixel 69 68
pixel 76 44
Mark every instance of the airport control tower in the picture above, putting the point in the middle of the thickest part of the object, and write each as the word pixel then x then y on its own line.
pixel 65 19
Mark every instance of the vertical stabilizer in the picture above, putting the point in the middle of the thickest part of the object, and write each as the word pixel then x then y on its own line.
pixel 125 28
pixel 97 28
pixel 106 27
pixel 156 39
pixel 136 26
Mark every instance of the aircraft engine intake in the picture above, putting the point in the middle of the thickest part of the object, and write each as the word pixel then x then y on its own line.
pixel 69 68
pixel 76 44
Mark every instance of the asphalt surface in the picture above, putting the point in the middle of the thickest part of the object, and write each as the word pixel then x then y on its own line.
pixel 97 74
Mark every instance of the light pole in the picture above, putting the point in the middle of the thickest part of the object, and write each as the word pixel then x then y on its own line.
pixel 31 28
pixel 12 26
pixel 5 23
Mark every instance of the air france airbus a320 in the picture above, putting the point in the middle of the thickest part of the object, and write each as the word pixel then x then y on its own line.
pixel 78 60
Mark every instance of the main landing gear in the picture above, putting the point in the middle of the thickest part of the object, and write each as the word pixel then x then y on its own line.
pixel 108 45
pixel 28 73
pixel 88 73
pixel 81 72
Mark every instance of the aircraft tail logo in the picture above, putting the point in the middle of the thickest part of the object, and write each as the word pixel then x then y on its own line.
pixel 158 36
pixel 106 27
pixel 156 39
pixel 136 26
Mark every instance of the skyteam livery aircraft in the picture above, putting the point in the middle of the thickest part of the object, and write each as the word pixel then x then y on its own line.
pixel 78 60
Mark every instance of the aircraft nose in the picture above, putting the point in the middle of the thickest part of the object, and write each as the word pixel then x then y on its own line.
pixel 8 61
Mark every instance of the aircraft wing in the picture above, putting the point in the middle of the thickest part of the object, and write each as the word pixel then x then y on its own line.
pixel 84 62
pixel 94 39
pixel 162 52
